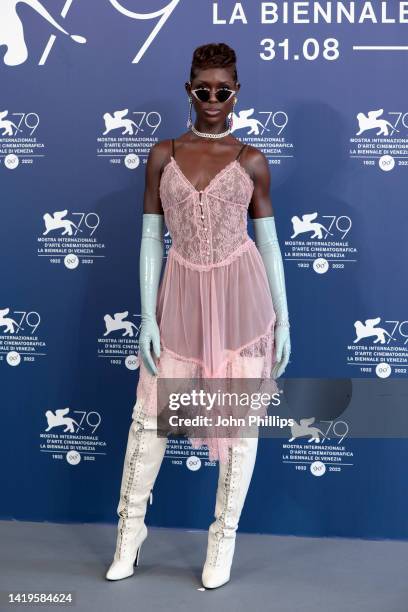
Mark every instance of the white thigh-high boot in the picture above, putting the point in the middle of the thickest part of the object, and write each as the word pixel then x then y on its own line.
pixel 143 458
pixel 233 483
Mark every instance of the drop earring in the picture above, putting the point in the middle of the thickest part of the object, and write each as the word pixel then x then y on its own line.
pixel 230 120
pixel 189 120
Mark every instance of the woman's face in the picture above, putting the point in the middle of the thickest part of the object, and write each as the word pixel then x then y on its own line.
pixel 213 111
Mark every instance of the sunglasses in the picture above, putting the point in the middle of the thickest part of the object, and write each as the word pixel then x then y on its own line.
pixel 203 94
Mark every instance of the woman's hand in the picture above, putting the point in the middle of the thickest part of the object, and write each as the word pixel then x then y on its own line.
pixel 282 350
pixel 149 334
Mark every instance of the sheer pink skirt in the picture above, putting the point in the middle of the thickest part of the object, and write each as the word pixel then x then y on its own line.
pixel 215 322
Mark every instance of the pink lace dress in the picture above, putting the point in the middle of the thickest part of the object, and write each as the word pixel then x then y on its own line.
pixel 214 306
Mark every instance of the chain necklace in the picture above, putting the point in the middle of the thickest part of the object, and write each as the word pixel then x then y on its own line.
pixel 209 134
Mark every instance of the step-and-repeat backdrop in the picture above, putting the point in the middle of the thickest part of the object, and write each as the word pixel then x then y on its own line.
pixel 86 88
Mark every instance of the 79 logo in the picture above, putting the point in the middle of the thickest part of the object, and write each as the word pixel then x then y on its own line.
pixel 12 33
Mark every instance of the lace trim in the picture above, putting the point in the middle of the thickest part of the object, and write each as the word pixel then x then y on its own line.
pixel 243 247
pixel 212 182
pixel 236 162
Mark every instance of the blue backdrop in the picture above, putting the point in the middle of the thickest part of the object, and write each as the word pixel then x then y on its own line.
pixel 86 89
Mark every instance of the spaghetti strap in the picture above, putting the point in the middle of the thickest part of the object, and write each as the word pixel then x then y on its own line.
pixel 240 151
pixel 172 146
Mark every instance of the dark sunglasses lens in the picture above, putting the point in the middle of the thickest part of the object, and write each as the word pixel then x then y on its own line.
pixel 223 95
pixel 203 95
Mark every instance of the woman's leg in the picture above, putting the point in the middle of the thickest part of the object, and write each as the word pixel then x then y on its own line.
pixel 144 454
pixel 233 483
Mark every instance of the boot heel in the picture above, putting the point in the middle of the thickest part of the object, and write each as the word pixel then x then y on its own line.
pixel 136 563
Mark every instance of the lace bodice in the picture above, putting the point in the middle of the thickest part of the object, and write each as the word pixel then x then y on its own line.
pixel 207 227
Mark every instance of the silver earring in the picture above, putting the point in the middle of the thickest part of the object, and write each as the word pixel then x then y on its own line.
pixel 189 120
pixel 230 120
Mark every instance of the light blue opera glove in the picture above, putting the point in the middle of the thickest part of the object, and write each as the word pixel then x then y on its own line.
pixel 267 243
pixel 151 259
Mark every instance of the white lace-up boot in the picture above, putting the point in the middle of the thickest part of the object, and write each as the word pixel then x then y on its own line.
pixel 233 483
pixel 144 455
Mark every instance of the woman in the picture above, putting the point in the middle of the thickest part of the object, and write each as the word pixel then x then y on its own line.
pixel 220 309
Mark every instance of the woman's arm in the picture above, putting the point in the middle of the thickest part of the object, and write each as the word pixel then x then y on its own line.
pixel 151 257
pixel 266 240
